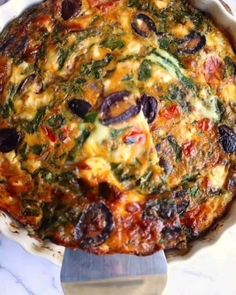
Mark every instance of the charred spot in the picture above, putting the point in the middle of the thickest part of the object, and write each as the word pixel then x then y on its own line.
pixel 171 232
pixel 163 209
pixel 30 208
pixel 7 44
pixel 182 201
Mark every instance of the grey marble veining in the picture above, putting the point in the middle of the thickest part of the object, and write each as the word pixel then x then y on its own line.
pixel 24 274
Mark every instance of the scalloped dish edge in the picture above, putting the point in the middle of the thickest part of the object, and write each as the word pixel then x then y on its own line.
pixel 53 252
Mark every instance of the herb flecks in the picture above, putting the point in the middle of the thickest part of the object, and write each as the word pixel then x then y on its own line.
pixel 145 71
pixel 113 43
pixel 175 146
pixel 32 126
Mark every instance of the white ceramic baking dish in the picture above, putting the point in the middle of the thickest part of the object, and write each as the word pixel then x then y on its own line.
pixel 9 228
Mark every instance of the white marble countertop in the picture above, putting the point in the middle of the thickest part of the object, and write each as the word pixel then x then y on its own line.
pixel 210 272
pixel 207 273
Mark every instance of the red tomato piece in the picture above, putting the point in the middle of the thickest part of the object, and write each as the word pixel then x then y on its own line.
pixel 205 182
pixel 204 125
pixel 213 70
pixel 48 132
pixel 103 5
pixel 171 112
pixel 189 149
pixel 83 166
pixel 42 21
pixel 135 136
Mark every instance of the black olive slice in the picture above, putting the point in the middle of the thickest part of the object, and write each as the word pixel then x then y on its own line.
pixel 23 85
pixel 95 226
pixel 9 139
pixel 193 43
pixel 150 107
pixel 112 101
pixel 171 233
pixel 164 209
pixel 79 107
pixel 182 201
pixel 70 8
pixel 227 139
pixel 166 165
pixel 143 25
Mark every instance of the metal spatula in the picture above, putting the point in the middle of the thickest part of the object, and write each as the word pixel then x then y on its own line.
pixel 88 274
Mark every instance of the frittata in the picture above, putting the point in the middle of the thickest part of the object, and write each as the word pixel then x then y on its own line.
pixel 117 124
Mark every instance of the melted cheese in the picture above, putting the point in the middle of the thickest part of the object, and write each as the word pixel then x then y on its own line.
pixel 217 176
pixel 98 144
pixel 18 73
pixel 228 91
pixel 27 107
pixel 206 109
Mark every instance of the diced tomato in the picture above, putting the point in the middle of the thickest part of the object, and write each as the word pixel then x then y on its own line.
pixel 189 149
pixel 213 70
pixel 204 125
pixel 48 132
pixel 83 166
pixel 42 21
pixel 31 53
pixel 135 136
pixel 205 182
pixel 171 112
pixel 103 5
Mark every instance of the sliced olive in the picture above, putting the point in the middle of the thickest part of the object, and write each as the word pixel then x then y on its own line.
pixel 171 233
pixel 165 209
pixel 182 201
pixel 79 107
pixel 95 226
pixel 9 139
pixel 227 139
pixel 193 43
pixel 23 85
pixel 149 107
pixel 166 165
pixel 70 8
pixel 231 181
pixel 112 101
pixel 143 25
